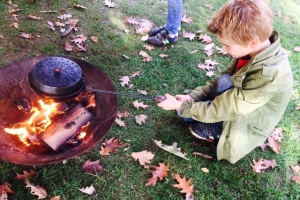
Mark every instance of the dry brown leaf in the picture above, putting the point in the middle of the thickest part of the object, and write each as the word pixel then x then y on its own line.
pixel 15 24
pixel 144 157
pixel 210 73
pixel 188 35
pixel 112 144
pixel 143 92
pixel 36 190
pixel 159 172
pixel 186 19
pixel 205 170
pixel 138 105
pixel 135 74
pixel 79 6
pixel 104 151
pixel 35 17
pixel 295 168
pixel 26 175
pixel 263 164
pixel 205 38
pixel 144 38
pixel 124 80
pixel 5 187
pixel 132 20
pixel 88 190
pixel 149 47
pixel 122 114
pixel 94 39
pixel 64 16
pixel 27 35
pixel 140 119
pixel 296 179
pixel 51 25
pixel 68 46
pixel 12 11
pixel 55 198
pixel 221 51
pixel 186 186
pixel 109 3
pixel 92 167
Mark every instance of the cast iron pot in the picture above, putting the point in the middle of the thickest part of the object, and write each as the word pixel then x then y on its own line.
pixel 57 78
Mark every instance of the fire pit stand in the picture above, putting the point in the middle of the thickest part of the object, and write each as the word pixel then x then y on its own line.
pixel 14 85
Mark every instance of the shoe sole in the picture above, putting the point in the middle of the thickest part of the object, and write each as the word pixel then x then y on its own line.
pixel 199 137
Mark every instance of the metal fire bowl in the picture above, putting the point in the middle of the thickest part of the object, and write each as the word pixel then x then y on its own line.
pixel 14 84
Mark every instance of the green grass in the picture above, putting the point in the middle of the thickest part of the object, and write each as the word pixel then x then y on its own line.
pixel 123 177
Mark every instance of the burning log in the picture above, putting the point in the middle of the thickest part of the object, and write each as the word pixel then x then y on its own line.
pixel 58 133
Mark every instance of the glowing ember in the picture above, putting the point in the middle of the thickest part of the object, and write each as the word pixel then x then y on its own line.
pixel 38 121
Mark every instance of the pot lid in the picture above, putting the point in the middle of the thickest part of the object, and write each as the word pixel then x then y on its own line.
pixel 57 72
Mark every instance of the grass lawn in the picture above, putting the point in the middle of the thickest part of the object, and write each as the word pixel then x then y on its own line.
pixel 123 177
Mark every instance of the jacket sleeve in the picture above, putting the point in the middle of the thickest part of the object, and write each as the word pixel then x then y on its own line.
pixel 202 93
pixel 255 92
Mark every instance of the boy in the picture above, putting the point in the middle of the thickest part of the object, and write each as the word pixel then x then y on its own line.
pixel 249 98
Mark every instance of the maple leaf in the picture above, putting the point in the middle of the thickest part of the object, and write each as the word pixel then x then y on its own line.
pixel 186 19
pixel 205 38
pixel 124 80
pixel 27 35
pixel 296 179
pixel 132 20
pixel 188 35
pixel 120 122
pixel 149 47
pixel 172 149
pixel 143 157
pixel 263 164
pixel 25 175
pixel 35 17
pixel 112 144
pixel 94 39
pixel 64 16
pixel 122 114
pixel 135 74
pixel 5 187
pixel 109 3
pixel 92 167
pixel 296 168
pixel 186 186
pixel 138 105
pixel 140 119
pixel 210 73
pixel 88 190
pixel 36 190
pixel 159 172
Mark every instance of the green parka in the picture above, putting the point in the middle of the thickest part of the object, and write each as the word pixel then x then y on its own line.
pixel 251 110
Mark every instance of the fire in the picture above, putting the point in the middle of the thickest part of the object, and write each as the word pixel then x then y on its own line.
pixel 38 121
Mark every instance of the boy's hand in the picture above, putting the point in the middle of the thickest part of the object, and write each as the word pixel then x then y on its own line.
pixel 183 98
pixel 170 103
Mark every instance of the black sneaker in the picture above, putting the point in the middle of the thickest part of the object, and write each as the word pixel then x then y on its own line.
pixel 156 30
pixel 161 39
pixel 206 131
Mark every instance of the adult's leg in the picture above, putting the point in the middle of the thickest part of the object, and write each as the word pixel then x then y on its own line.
pixel 174 17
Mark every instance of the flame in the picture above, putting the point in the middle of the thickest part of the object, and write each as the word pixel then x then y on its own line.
pixel 38 121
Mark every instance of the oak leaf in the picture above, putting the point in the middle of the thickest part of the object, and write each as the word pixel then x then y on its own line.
pixel 296 179
pixel 210 73
pixel 140 119
pixel 172 149
pixel 186 186
pixel 25 175
pixel 160 172
pixel 112 144
pixel 104 151
pixel 109 3
pixel 221 51
pixel 64 16
pixel 122 114
pixel 12 11
pixel 3 195
pixel 5 187
pixel 124 80
pixel 143 157
pixel 205 38
pixel 188 35
pixel 138 105
pixel 262 165
pixel 120 122
pixel 92 167
pixel 88 190
pixel 36 190
pixel 132 20
pixel 186 19
pixel 135 74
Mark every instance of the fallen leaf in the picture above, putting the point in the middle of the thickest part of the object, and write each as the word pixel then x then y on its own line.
pixel 15 24
pixel 186 186
pixel 186 19
pixel 208 5
pixel 143 92
pixel 12 11
pixel 149 47
pixel 109 3
pixel 262 165
pixel 124 80
pixel 3 195
pixel 88 190
pixel 68 46
pixel 172 149
pixel 221 51
pixel 188 35
pixel 202 155
pixel 5 187
pixel 143 54
pixel 51 25
pixel 297 49
pixel 135 74
pixel 35 17
pixel 92 167
pixel 1 37
pixel 26 175
pixel 36 190
pixel 132 20
pixel 143 157
pixel 64 16
pixel 94 39
pixel 210 73
pixel 140 119
pixel 160 172
pixel 296 179
pixel 138 105
pixel 104 151
pixel 126 30
pixel 27 35
pixel 205 38
pixel 125 56
pixel 295 168
pixel 163 55
pixel 55 198
pixel 205 170
pixel 79 6
pixel 112 144
pixel 144 38
pixel 122 114
pixel 79 39
pixel 210 62
pixel 297 108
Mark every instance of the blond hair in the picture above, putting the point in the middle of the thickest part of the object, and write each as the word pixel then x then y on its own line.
pixel 242 21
